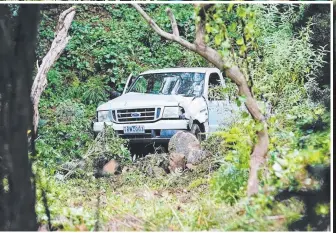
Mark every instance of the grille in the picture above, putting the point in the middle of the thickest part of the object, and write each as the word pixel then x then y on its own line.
pixel 136 115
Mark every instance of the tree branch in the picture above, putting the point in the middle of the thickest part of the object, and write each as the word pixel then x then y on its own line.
pixel 173 22
pixel 208 53
pixel 56 49
pixel 200 26
pixel 233 72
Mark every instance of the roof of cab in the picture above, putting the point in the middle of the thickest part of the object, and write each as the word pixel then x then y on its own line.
pixel 173 70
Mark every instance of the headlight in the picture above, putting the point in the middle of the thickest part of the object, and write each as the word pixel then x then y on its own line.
pixel 172 112
pixel 104 116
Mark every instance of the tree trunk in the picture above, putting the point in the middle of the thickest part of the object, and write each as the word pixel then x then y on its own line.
pixel 56 49
pixel 17 53
pixel 225 64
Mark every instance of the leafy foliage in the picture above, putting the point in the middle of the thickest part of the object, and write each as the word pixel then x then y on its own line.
pixel 66 133
pixel 109 146
pixel 277 48
pixel 275 55
pixel 102 52
pixel 95 91
pixel 235 147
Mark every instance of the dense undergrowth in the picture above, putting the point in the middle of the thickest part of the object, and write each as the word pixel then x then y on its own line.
pixel 108 42
pixel 201 199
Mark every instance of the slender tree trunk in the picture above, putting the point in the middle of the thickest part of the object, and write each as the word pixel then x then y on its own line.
pixel 17 53
pixel 56 49
pixel 225 64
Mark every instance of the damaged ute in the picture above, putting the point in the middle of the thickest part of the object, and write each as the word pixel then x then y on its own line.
pixel 158 103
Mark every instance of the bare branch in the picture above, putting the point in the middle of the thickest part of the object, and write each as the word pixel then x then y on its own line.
pixel 200 26
pixel 208 53
pixel 173 22
pixel 56 49
pixel 151 22
pixel 62 18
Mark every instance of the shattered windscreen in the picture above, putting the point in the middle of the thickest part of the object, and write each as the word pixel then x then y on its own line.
pixel 177 83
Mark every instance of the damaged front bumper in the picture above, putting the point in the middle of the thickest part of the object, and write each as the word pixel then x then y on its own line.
pixel 154 132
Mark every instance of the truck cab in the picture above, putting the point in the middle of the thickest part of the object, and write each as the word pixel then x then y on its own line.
pixel 158 103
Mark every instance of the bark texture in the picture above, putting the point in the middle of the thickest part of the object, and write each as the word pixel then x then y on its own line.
pixel 17 53
pixel 58 45
pixel 232 71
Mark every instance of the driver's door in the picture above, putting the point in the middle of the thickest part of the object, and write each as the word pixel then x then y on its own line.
pixel 218 104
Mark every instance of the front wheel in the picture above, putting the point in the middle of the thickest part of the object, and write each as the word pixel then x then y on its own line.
pixel 196 130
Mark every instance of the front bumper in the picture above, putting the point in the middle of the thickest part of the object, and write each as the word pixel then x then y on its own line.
pixel 160 131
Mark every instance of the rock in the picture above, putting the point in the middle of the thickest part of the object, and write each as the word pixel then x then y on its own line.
pixel 186 144
pixel 111 167
pixel 176 160
pixel 182 142
pixel 196 156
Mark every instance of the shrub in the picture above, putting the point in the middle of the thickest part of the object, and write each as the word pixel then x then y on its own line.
pixel 65 135
pixel 69 112
pixel 108 146
pixel 229 183
pixel 95 91
pixel 232 148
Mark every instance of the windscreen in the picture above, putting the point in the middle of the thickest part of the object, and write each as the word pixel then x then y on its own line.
pixel 177 83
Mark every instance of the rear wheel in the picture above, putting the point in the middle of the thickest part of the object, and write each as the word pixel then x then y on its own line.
pixel 196 130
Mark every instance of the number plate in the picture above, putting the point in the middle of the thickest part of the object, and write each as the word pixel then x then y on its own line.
pixel 134 129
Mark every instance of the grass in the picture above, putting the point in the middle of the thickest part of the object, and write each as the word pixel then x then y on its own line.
pixel 134 201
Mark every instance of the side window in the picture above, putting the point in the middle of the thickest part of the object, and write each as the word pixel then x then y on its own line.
pixel 214 80
pixel 215 87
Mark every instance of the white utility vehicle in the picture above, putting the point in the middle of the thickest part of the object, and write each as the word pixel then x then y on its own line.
pixel 158 103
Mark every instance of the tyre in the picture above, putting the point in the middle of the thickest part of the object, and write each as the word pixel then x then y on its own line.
pixel 196 130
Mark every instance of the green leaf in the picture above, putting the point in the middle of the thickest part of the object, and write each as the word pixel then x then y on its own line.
pixel 240 41
pixel 225 53
pixel 206 38
pixel 207 27
pixel 226 44
pixel 233 27
pixel 245 115
pixel 238 102
pixel 218 39
pixel 230 7
pixel 242 50
pixel 259 126
pixel 241 12
pixel 242 98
